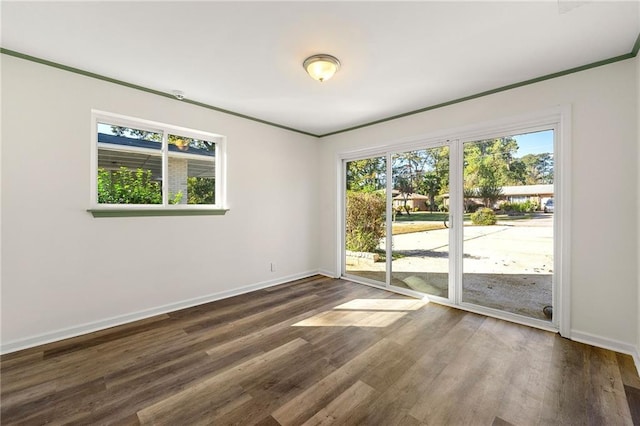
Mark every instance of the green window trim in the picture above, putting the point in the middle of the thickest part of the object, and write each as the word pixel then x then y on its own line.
pixel 142 212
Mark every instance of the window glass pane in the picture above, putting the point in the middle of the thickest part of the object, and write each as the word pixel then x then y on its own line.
pixel 129 165
pixel 181 144
pixel 191 171
pixel 508 224
pixel 365 219
pixel 420 255
pixel 120 137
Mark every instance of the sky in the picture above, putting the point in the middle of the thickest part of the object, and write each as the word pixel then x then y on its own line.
pixel 535 143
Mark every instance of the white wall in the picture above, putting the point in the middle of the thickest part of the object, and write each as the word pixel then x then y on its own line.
pixel 64 271
pixel 637 358
pixel 604 166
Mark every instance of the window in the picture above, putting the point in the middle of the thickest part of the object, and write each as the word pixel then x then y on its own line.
pixel 147 168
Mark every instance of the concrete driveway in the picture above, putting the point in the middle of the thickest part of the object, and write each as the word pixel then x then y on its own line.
pixel 507 266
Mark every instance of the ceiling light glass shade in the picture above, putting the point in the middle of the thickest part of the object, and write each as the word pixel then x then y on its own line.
pixel 321 67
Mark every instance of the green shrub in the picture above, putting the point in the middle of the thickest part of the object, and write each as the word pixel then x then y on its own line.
pixel 484 216
pixel 525 207
pixel 127 186
pixel 364 220
pixel 201 190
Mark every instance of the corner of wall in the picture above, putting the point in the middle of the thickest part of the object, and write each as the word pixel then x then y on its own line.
pixel 637 352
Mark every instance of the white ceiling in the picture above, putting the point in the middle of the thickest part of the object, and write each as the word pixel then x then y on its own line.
pixel 396 57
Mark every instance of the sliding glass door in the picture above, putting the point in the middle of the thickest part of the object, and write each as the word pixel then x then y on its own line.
pixel 508 237
pixel 420 233
pixel 365 219
pixel 469 222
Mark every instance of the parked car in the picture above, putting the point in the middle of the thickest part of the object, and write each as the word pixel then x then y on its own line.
pixel 548 206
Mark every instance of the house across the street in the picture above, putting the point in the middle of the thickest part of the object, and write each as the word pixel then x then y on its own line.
pixel 537 194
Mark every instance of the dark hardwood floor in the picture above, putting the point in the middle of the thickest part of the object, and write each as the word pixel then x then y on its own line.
pixel 319 351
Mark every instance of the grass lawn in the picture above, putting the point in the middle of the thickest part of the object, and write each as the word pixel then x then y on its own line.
pixel 406 228
pixel 419 222
pixel 422 217
pixel 427 221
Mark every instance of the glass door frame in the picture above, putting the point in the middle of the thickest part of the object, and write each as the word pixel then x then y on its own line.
pixel 557 119
pixel 388 152
pixel 552 325
pixel 425 145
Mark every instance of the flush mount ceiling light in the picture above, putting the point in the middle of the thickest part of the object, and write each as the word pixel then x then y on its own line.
pixel 321 67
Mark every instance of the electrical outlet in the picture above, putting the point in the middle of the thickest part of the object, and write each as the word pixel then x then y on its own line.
pixel 273 267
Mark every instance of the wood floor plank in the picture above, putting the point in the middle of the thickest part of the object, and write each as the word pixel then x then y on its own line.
pixel 350 407
pixel 608 401
pixel 305 405
pixel 271 333
pixel 628 370
pixel 633 398
pixel 40 406
pixel 108 335
pixel 477 375
pixel 404 390
pixel 522 403
pixel 566 391
pixel 20 360
pixel 206 398
pixel 153 387
pixel 281 383
pixel 321 351
pixel 241 323
pixel 501 422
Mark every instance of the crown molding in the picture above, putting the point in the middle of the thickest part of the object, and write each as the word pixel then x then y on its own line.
pixel 632 54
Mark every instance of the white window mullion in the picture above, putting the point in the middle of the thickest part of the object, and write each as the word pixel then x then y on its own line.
pixel 165 169
pixel 220 169
pixel 94 161
pixel 456 220
pixel 389 207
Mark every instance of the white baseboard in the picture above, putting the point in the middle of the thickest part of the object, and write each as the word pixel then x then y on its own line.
pixel 328 273
pixel 605 343
pixel 93 326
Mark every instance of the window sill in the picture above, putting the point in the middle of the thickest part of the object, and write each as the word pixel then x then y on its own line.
pixel 141 212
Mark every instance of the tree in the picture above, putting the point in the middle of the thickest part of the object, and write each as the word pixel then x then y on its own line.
pixel 490 193
pixel 431 186
pixel 538 168
pixel 405 186
pixel 516 173
pixel 490 165
pixel 408 168
pixel 439 160
pixel 366 175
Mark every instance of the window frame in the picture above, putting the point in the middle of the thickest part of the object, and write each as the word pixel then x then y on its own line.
pixel 164 209
pixel 559 119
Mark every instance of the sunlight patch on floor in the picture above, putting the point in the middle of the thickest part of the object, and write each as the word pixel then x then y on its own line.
pixel 383 304
pixel 364 313
pixel 351 319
